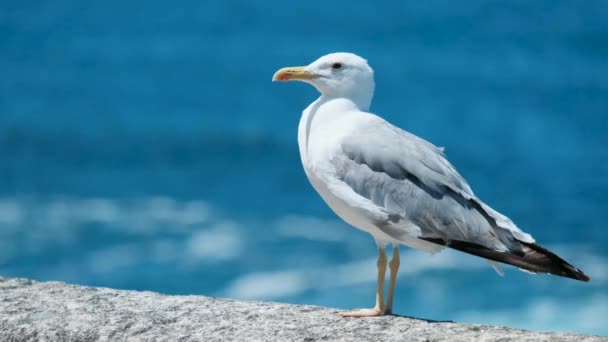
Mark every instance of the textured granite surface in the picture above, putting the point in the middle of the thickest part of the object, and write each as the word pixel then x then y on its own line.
pixel 53 311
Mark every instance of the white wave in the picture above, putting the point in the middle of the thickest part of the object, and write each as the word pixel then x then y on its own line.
pixel 147 216
pixel 112 258
pixel 42 224
pixel 311 228
pixel 11 214
pixel 221 242
pixel 588 314
pixel 96 210
pixel 141 215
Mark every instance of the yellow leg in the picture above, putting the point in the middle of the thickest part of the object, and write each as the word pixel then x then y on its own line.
pixel 394 266
pixel 378 310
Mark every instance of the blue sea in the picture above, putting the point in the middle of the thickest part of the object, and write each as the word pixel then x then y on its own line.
pixel 143 146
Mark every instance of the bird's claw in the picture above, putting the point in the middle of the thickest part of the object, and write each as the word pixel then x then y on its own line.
pixel 375 312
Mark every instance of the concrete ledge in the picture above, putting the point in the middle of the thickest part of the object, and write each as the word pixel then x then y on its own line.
pixel 53 311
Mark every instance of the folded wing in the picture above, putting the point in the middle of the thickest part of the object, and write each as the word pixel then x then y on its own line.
pixel 413 182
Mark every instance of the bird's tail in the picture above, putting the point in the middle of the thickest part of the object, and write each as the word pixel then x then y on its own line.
pixel 532 258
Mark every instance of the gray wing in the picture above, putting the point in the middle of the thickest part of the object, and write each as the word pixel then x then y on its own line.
pixel 412 181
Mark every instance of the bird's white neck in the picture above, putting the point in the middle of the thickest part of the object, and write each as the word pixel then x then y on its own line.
pixel 360 97
pixel 327 104
pixel 323 109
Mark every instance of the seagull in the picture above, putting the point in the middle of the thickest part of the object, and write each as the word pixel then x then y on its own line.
pixel 398 187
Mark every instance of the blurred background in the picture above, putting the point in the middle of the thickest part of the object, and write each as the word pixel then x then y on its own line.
pixel 143 146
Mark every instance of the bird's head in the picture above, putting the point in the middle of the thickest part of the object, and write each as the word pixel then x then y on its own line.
pixel 339 75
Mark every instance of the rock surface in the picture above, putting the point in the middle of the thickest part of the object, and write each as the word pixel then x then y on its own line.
pixel 53 311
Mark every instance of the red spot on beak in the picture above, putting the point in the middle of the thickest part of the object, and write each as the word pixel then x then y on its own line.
pixel 284 78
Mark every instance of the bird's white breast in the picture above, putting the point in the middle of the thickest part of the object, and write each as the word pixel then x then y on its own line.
pixel 320 133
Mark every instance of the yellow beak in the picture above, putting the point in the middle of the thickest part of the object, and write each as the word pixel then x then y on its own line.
pixel 293 73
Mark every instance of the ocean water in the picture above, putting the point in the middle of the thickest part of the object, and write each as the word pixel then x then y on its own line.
pixel 143 146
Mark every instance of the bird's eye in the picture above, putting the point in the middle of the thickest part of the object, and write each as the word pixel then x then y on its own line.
pixel 336 66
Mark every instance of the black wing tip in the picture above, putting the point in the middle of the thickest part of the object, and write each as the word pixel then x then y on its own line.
pixel 582 276
pixel 572 272
pixel 534 258
pixel 559 267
